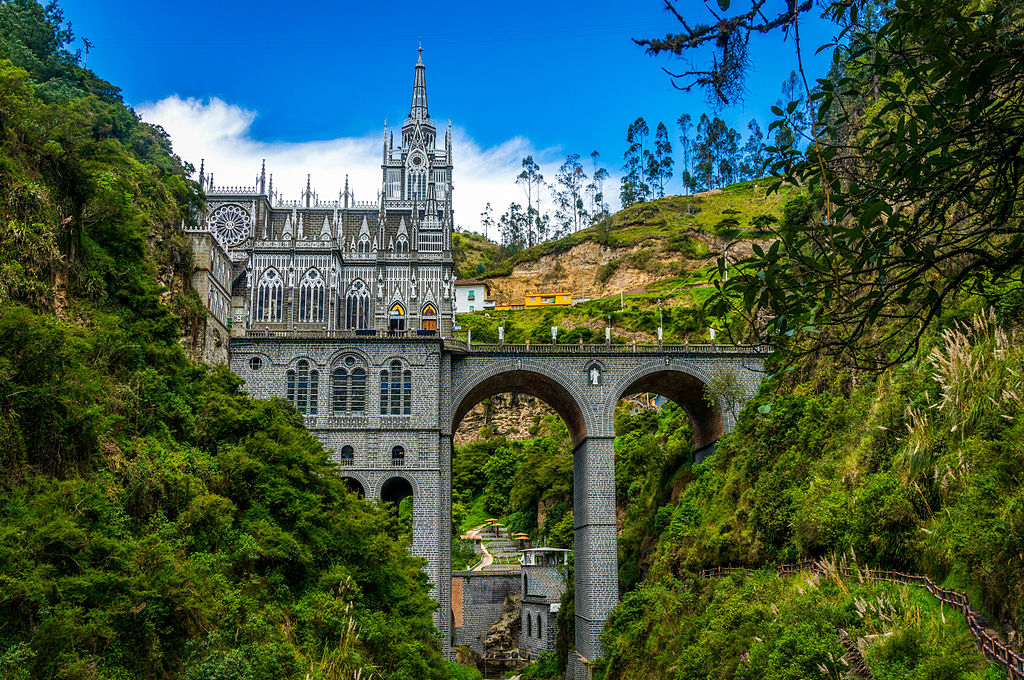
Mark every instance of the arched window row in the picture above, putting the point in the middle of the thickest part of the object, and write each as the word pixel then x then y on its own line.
pixel 302 388
pixel 269 297
pixel 311 297
pixel 396 390
pixel 348 389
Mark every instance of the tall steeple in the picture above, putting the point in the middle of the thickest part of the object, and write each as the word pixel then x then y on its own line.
pixel 418 110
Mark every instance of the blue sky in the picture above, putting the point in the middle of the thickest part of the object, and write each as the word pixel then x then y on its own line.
pixel 310 83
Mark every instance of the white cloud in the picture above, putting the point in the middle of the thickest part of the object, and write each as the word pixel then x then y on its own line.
pixel 220 133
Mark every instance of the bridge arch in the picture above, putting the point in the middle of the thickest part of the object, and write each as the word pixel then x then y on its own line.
pixel 683 383
pixel 355 483
pixel 548 384
pixel 394 480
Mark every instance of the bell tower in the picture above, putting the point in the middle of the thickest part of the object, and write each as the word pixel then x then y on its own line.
pixel 417 175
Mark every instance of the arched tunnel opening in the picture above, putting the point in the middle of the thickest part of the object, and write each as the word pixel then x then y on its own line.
pixel 397 494
pixel 513 464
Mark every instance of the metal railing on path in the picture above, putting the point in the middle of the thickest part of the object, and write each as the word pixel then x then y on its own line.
pixel 991 647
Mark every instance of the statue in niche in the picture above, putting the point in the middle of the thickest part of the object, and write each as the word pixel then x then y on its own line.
pixel 594 375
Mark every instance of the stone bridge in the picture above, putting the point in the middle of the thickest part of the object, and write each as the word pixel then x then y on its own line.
pixel 418 387
pixel 583 384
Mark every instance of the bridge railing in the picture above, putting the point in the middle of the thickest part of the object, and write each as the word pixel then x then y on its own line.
pixel 463 344
pixel 545 348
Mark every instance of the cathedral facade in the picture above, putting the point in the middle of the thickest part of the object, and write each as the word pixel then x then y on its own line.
pixel 342 307
pixel 358 268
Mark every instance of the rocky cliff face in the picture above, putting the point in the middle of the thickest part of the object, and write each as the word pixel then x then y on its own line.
pixel 583 271
pixel 509 415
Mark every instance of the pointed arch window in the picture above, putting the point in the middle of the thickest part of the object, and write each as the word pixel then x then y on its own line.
pixel 396 390
pixel 529 625
pixel 401 245
pixel 348 390
pixel 357 307
pixel 416 185
pixel 311 297
pixel 428 317
pixel 302 388
pixel 364 244
pixel 269 297
pixel 396 317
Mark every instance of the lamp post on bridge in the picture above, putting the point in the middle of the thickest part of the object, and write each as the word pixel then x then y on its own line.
pixel 660 332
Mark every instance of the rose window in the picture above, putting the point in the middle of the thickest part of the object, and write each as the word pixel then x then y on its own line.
pixel 231 224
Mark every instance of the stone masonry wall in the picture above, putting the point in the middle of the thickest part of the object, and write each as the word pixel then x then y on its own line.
pixel 482 597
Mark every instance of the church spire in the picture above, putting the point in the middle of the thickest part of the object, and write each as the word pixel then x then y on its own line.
pixel 418 111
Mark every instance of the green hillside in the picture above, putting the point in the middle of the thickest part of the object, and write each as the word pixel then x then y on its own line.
pixel 154 522
pixel 737 212
pixel 675 225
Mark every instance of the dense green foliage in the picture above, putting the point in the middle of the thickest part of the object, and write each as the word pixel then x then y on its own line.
pixel 784 629
pixel 154 521
pixel 913 469
pixel 513 479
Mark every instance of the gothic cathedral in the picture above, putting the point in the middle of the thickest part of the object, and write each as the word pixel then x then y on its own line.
pixel 345 308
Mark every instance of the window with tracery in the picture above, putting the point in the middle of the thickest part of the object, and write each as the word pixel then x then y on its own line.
pixel 348 389
pixel 401 245
pixel 396 390
pixel 302 387
pixel 269 297
pixel 357 307
pixel 311 297
pixel 364 245
pixel 416 185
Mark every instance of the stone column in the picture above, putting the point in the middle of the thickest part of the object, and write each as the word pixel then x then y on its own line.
pixel 597 568
pixel 442 591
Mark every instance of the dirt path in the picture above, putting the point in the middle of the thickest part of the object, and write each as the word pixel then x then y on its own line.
pixel 487 559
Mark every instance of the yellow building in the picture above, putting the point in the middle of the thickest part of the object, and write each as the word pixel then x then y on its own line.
pixel 547 300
